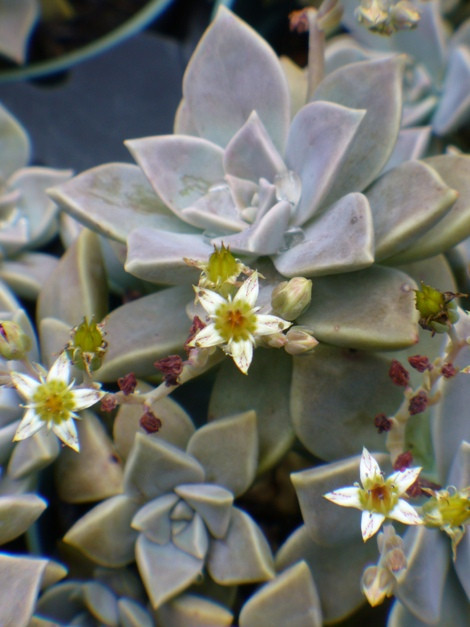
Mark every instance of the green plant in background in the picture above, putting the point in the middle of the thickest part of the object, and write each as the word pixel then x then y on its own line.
pixel 290 240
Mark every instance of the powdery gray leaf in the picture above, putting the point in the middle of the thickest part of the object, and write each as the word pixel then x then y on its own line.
pixel 228 451
pixel 17 20
pixel 319 139
pixel 155 467
pixel 91 533
pixel 411 144
pixel 329 565
pixel 338 240
pixel 335 395
pixel 27 272
pixel 406 202
pixel 165 569
pixel 375 86
pixel 145 330
pixel 16 147
pixel 153 519
pixel 233 72
pixel 453 109
pixel 212 502
pixel 101 602
pixel 33 454
pixel 193 538
pixel 233 392
pixel 289 599
pixel 227 565
pixel 191 610
pixel 132 614
pixel 17 514
pixel 113 199
pixel 389 321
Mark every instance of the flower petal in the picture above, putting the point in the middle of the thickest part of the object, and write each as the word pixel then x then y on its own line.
pixel 403 479
pixel 208 336
pixel 249 290
pixel 209 300
pixel 86 397
pixel 347 497
pixel 25 384
pixel 369 468
pixel 265 324
pixel 30 425
pixel 370 524
pixel 242 354
pixel 67 432
pixel 60 369
pixel 405 513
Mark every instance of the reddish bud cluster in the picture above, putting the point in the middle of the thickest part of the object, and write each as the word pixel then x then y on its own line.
pixel 382 423
pixel 398 374
pixel 448 371
pixel 149 422
pixel 403 461
pixel 171 367
pixel 127 383
pixel 418 403
pixel 196 326
pixel 420 363
pixel 108 403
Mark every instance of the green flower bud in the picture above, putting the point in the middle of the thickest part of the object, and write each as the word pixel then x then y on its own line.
pixel 429 301
pixel 87 346
pixel 299 341
pixel 222 266
pixel 14 343
pixel 290 298
pixel 438 310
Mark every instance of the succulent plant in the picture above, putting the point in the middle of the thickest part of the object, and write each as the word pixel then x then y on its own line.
pixel 17 19
pixel 29 217
pixel 437 75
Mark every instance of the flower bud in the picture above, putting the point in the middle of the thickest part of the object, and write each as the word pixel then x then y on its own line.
pixel 290 298
pixel 14 343
pixel 87 347
pixel 377 583
pixel 299 341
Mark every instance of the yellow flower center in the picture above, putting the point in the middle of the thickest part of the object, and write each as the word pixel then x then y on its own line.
pixel 379 496
pixel 235 321
pixel 53 401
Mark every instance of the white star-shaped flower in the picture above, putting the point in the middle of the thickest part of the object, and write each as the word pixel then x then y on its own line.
pixel 235 323
pixel 52 402
pixel 378 498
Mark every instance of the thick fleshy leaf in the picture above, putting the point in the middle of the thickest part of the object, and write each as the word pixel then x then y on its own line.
pixel 33 454
pixel 297 82
pixel 153 519
pixel 91 533
pixel 33 203
pixel 17 513
pixel 251 154
pixel 77 287
pixel 193 538
pixel 411 144
pixel 450 416
pixel 290 599
pixel 319 138
pixel 375 86
pixel 18 19
pixel 372 309
pixel 165 570
pixel 336 570
pixel 177 427
pixel 101 602
pixel 96 473
pixel 132 614
pixel 233 72
pixel 155 467
pixel 180 168
pixel 335 395
pixel 27 273
pixel 20 580
pixel 158 256
pixel 340 240
pixel 54 335
pixel 16 146
pixel 406 202
pixel 228 565
pixel 421 585
pixel 143 331
pixel 453 109
pixel 212 502
pixel 190 610
pixel 328 523
pixel 454 227
pixel 228 451
pixel 234 392
pixel 114 199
